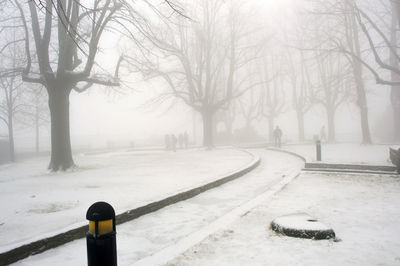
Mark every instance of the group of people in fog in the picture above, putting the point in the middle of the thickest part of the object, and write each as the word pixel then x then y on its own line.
pixel 172 142
pixel 181 141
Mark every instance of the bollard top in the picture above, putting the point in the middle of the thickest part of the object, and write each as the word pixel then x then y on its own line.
pixel 100 211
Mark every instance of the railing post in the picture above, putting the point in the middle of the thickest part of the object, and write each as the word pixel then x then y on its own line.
pixel 318 148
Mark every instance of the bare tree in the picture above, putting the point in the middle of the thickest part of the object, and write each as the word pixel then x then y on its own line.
pixel 334 83
pixel 37 113
pixel 339 34
pixel 299 78
pixel 394 62
pixel 227 116
pixel 353 44
pixel 381 40
pixel 11 102
pixel 272 97
pixel 199 59
pixel 66 36
pixel 249 107
pixel 10 106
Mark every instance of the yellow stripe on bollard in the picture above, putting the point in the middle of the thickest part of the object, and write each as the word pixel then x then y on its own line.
pixel 104 227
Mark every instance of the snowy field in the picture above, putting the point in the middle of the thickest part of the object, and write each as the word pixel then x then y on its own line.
pixel 55 202
pixel 228 225
pixel 363 210
pixel 158 237
pixel 345 153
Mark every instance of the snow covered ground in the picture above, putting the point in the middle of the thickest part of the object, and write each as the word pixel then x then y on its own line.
pixel 363 210
pixel 229 225
pixel 160 236
pixel 345 153
pixel 35 204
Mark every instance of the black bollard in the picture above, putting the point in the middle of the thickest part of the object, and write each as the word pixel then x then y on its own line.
pixel 318 147
pixel 101 239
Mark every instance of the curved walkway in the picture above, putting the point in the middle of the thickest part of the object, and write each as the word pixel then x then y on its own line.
pixel 143 184
pixel 158 237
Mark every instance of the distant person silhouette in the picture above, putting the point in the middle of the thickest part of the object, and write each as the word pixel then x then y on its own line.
pixel 277 137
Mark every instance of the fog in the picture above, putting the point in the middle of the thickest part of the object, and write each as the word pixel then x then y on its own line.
pixel 211 117
pixel 134 115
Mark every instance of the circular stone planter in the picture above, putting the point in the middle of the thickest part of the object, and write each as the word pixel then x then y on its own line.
pixel 302 225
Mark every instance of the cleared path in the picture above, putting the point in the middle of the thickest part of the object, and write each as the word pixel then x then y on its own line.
pixel 140 240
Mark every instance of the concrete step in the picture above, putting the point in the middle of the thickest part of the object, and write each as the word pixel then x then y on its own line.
pixel 350 168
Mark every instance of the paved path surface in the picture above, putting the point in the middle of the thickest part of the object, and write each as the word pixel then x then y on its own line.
pixel 57 202
pixel 178 226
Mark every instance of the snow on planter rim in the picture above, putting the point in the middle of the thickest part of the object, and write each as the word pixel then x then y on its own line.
pixel 302 225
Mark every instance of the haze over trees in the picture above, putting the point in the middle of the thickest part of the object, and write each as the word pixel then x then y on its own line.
pixel 200 57
pixel 225 60
pixel 11 85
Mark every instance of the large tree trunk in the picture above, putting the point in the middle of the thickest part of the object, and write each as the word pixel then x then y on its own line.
pixel 395 90
pixel 354 42
pixel 366 136
pixel 331 124
pixel 362 102
pixel 228 127
pixel 395 99
pixel 214 128
pixel 300 125
pixel 61 155
pixel 11 137
pixel 358 77
pixel 208 140
pixel 37 129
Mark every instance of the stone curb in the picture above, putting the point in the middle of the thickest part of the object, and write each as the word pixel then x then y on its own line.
pixel 45 244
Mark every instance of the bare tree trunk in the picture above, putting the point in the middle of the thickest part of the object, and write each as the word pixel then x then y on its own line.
pixel 395 89
pixel 37 129
pixel 228 126
pixel 362 102
pixel 61 155
pixel 361 98
pixel 331 124
pixel 208 140
pixel 11 137
pixel 214 125
pixel 271 129
pixel 358 78
pixel 395 99
pixel 300 124
pixel 194 127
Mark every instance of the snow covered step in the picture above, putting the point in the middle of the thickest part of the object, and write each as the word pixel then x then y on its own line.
pixel 333 170
pixel 350 168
